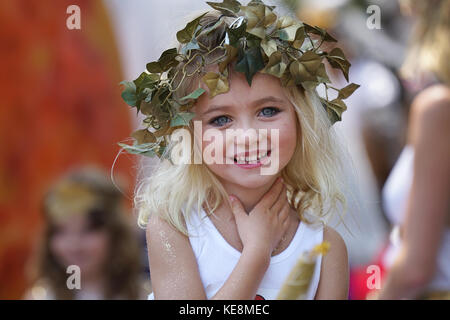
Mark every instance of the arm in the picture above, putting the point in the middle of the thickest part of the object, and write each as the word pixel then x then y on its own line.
pixel 174 270
pixel 334 272
pixel 428 202
pixel 173 267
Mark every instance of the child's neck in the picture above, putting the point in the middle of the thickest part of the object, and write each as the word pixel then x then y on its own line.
pixel 249 197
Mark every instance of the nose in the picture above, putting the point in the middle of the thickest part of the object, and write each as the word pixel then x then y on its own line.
pixel 249 137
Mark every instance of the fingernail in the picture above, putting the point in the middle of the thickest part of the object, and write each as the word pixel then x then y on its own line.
pixel 231 198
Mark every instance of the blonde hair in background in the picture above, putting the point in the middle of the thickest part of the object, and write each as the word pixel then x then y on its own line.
pixel 429 49
pixel 313 175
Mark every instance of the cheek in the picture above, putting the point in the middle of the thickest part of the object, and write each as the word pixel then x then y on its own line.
pixel 60 246
pixel 283 137
pixel 217 168
pixel 288 136
pixel 95 244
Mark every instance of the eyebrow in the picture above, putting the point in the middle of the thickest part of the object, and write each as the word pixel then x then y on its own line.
pixel 253 104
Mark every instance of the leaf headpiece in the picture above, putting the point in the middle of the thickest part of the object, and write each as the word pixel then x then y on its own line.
pixel 258 41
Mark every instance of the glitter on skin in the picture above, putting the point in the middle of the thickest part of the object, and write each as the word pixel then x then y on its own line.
pixel 167 245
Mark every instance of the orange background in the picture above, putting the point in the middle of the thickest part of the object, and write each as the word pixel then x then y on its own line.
pixel 60 106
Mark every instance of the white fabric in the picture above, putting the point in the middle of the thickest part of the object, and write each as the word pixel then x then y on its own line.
pixel 216 258
pixel 395 196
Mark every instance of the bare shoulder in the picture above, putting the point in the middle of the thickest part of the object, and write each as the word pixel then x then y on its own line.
pixel 173 266
pixel 332 236
pixel 430 116
pixel 338 249
pixel 334 273
pixel 431 109
pixel 431 98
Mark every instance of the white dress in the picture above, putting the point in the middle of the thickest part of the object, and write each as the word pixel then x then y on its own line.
pixel 216 258
pixel 395 194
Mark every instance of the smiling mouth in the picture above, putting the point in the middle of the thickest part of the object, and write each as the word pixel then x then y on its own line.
pixel 251 160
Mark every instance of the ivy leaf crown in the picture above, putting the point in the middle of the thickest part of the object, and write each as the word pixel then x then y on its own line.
pixel 258 41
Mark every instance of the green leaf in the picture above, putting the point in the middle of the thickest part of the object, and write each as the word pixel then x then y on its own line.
pixel 259 17
pixel 289 33
pixel 193 45
pixel 162 131
pixel 259 2
pixel 250 62
pixel 306 69
pixel 235 34
pixel 269 46
pixel 337 60
pixel 299 38
pixel 158 110
pixel 334 108
pixel 311 61
pixel 227 7
pixel 203 35
pixel 285 21
pixel 182 119
pixel 146 108
pixel 216 83
pixel 145 150
pixel 143 136
pixel 186 35
pixel 231 53
pixel 346 92
pixel 148 99
pixel 275 66
pixel 316 30
pixel 337 53
pixel 300 73
pixel 146 80
pixel 322 75
pixel 194 95
pixel 129 93
pixel 165 62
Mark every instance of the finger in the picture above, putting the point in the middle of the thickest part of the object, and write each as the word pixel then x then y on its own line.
pixel 270 197
pixel 237 207
pixel 285 211
pixel 281 201
pixel 285 224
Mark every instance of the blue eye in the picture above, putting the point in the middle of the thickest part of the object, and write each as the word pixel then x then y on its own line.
pixel 220 121
pixel 270 111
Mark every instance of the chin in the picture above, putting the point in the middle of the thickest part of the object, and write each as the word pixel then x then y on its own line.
pixel 251 179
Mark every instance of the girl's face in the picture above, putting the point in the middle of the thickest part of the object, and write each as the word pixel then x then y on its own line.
pixel 264 105
pixel 74 242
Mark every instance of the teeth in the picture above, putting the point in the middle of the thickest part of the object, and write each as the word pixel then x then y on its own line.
pixel 253 159
pixel 265 154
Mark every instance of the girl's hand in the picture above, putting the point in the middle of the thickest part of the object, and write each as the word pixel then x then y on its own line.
pixel 262 229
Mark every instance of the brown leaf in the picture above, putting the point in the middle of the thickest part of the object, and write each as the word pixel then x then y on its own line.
pixel 216 83
pixel 346 92
pixel 143 136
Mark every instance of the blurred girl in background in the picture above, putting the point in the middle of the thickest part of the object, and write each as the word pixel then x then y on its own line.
pixel 417 193
pixel 86 226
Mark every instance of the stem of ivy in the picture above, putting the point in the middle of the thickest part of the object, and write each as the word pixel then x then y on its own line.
pixel 321 42
pixel 310 40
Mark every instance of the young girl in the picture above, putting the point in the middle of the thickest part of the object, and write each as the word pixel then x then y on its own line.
pixel 86 226
pixel 224 230
pixel 416 194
